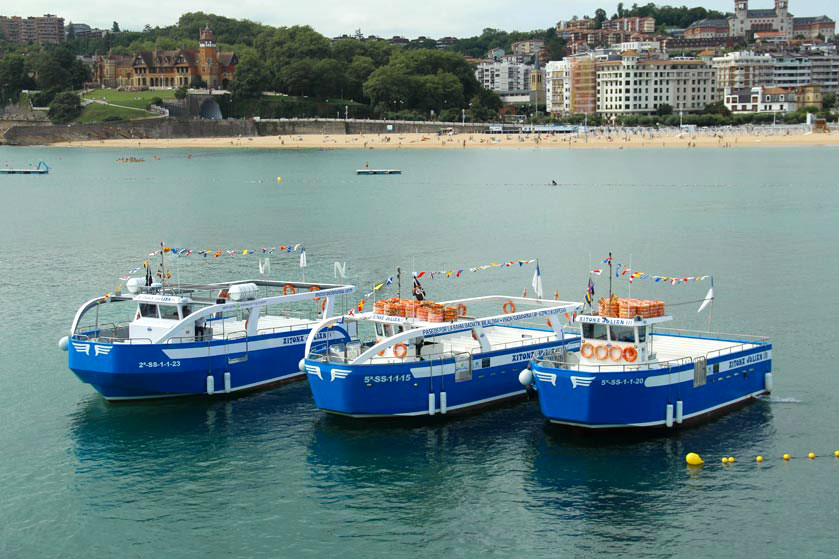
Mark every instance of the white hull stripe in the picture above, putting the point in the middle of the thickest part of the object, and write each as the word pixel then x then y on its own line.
pixel 662 422
pixel 238 347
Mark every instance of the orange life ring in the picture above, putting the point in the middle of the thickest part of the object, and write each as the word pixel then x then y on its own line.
pixel 461 309
pixel 322 305
pixel 312 290
pixel 511 305
pixel 246 326
pixel 381 353
pixel 605 352
pixel 587 350
pixel 630 353
pixel 548 320
pixel 612 355
pixel 400 350
pixel 223 294
pixel 289 288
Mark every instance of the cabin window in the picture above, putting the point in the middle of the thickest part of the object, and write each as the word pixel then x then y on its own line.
pixel 642 335
pixel 594 331
pixel 379 330
pixel 169 312
pixel 148 311
pixel 623 334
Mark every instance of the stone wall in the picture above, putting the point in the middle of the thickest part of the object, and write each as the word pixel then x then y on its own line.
pixel 158 128
pixel 339 127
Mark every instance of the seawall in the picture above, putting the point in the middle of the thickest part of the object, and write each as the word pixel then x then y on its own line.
pixel 170 128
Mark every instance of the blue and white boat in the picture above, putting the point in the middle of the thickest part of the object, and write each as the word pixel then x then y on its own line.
pixel 417 365
pixel 629 372
pixel 198 339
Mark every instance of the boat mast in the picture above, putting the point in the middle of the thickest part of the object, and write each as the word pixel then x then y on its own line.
pixel 610 275
pixel 398 282
pixel 162 266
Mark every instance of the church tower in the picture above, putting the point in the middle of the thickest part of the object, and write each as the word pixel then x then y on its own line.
pixel 783 18
pixel 741 18
pixel 208 57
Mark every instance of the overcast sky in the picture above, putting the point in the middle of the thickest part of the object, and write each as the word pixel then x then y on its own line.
pixel 434 18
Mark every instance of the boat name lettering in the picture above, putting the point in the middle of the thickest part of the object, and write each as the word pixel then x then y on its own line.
pixel 621 381
pixel 454 326
pixel 392 378
pixel 523 356
pixel 603 320
pixel 747 360
pixel 158 364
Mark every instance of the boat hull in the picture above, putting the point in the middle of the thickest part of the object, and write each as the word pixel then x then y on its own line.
pixel 640 399
pixel 145 371
pixel 422 388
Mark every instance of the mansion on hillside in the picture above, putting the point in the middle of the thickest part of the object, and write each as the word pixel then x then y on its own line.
pixel 777 20
pixel 169 68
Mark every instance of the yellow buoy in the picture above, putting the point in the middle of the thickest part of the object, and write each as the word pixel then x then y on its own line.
pixel 836 454
pixel 724 460
pixel 759 459
pixel 694 459
pixel 731 460
pixel 786 456
pixel 811 456
pixel 279 179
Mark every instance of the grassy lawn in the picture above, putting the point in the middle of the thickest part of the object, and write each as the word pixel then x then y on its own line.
pixel 136 99
pixel 96 112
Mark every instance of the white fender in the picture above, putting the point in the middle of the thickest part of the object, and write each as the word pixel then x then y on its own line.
pixel 768 382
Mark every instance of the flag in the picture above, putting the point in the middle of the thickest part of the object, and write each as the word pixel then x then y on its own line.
pixel 597 272
pixel 389 280
pixel 303 258
pixel 361 306
pixel 537 281
pixel 708 298
pixel 590 292
pixel 419 292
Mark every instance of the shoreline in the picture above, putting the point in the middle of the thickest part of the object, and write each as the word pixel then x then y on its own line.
pixel 620 140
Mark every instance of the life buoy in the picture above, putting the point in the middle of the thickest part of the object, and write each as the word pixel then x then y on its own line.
pixel 288 288
pixel 587 350
pixel 511 305
pixel 630 353
pixel 548 320
pixel 604 355
pixel 461 309
pixel 312 290
pixel 222 294
pixel 322 305
pixel 381 353
pixel 474 336
pixel 400 350
pixel 613 350
pixel 246 326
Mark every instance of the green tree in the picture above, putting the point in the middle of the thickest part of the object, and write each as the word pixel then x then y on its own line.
pixel 13 77
pixel 251 77
pixel 599 17
pixel 664 109
pixel 181 92
pixel 64 108
pixel 115 28
pixel 828 102
pixel 297 78
pixel 390 86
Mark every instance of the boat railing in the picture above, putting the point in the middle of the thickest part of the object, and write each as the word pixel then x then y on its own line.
pixel 523 342
pixel 110 340
pixel 553 359
pixel 745 338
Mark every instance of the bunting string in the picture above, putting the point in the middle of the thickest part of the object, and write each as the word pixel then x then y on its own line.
pixel 457 273
pixel 625 272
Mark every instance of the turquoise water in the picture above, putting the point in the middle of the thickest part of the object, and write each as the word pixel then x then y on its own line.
pixel 266 475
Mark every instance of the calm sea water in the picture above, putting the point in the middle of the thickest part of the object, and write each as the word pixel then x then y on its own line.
pixel 267 475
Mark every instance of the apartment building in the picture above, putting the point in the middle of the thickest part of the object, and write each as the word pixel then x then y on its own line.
pixel 48 28
pixel 571 85
pixel 631 24
pixel 634 85
pixel 743 70
pixel 746 69
pixel 503 77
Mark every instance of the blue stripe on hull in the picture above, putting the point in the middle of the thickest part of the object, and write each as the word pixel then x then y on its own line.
pixel 145 371
pixel 390 390
pixel 626 399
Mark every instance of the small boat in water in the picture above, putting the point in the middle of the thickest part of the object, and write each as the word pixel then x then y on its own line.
pixel 378 171
pixel 194 339
pixel 422 358
pixel 629 372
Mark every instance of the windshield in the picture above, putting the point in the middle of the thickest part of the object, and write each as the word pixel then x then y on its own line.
pixel 594 331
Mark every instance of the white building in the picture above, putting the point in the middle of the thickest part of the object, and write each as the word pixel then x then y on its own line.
pixel 791 71
pixel 745 70
pixel 638 86
pixel 503 77
pixel 746 20
pixel 760 100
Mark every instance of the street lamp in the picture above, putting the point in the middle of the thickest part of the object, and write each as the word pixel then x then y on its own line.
pixel 346 112
pixel 463 117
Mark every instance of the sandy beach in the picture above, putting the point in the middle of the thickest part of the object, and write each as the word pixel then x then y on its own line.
pixel 601 138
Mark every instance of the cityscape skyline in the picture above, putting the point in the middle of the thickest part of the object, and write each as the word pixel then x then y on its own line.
pixel 434 18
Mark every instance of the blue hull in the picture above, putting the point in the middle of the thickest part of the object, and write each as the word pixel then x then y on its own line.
pixel 126 371
pixel 640 398
pixel 415 388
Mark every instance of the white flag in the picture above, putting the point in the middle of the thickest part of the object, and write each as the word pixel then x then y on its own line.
pixel 265 266
pixel 708 298
pixel 303 258
pixel 341 269
pixel 537 281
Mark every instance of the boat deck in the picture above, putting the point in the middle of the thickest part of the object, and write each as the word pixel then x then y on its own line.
pixel 671 347
pixel 268 324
